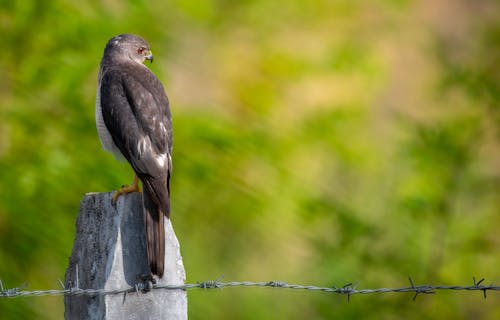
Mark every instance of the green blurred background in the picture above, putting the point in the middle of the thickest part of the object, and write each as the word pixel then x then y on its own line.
pixel 315 142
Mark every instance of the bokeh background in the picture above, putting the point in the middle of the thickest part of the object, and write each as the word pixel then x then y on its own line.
pixel 315 142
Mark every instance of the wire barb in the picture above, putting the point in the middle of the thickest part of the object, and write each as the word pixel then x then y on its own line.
pixel 61 284
pixel 276 284
pixel 211 284
pixel 420 289
pixel 12 292
pixel 348 289
pixel 478 286
pixel 77 280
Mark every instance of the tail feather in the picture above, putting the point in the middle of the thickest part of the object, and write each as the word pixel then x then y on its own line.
pixel 155 233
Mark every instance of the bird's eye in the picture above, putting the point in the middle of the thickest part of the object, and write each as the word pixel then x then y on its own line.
pixel 141 50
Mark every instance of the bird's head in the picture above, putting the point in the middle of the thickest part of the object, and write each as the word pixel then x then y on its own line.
pixel 128 46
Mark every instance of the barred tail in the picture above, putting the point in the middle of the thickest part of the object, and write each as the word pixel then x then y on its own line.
pixel 155 234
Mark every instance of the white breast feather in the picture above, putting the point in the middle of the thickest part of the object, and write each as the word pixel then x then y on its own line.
pixel 104 135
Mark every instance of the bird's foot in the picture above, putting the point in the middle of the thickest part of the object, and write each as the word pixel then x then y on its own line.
pixel 146 282
pixel 134 187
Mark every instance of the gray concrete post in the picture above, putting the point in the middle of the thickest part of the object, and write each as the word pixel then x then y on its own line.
pixel 110 253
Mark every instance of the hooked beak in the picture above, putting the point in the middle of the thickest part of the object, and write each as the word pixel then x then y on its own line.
pixel 150 56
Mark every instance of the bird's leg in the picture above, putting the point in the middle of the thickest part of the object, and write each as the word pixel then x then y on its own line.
pixel 134 187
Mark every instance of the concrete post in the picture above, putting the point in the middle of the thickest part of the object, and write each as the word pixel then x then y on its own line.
pixel 110 253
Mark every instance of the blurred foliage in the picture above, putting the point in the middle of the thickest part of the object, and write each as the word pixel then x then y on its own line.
pixel 319 142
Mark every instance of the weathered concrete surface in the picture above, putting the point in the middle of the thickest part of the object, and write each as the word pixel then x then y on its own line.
pixel 110 252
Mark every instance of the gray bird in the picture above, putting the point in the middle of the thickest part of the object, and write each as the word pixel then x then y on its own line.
pixel 134 123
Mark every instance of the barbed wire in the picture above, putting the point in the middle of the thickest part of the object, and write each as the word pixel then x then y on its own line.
pixel 146 286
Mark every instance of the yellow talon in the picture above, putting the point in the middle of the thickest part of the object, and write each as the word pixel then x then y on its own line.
pixel 134 187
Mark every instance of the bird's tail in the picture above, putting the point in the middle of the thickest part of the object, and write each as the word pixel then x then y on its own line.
pixel 154 213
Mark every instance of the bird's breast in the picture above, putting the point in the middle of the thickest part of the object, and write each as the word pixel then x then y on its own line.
pixel 103 132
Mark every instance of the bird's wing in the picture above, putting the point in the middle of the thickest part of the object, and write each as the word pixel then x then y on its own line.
pixel 136 113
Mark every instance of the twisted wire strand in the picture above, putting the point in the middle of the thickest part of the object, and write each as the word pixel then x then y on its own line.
pixel 347 289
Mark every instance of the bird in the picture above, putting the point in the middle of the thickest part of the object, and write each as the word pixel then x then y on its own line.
pixel 134 123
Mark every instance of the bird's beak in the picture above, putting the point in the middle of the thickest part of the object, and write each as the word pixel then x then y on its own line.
pixel 150 56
